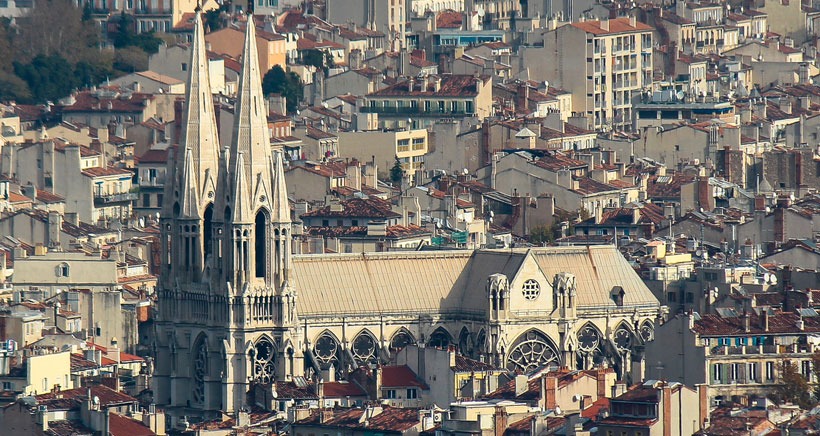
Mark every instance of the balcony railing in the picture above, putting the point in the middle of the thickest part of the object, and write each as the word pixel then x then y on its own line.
pixel 759 349
pixel 414 111
pixel 105 199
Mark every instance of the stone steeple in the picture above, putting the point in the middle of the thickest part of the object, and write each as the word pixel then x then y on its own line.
pixel 250 133
pixel 199 132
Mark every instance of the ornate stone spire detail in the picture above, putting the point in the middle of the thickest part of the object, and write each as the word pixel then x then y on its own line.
pixel 189 195
pixel 199 134
pixel 251 135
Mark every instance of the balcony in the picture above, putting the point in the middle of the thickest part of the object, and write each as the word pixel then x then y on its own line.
pixel 740 350
pixel 113 199
pixel 432 112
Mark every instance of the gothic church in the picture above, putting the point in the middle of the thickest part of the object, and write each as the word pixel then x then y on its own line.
pixel 236 308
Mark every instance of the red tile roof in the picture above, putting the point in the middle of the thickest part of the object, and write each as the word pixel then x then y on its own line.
pixel 616 25
pixel 107 396
pixel 108 171
pixel 119 425
pixel 342 390
pixel 449 19
pixel 452 85
pixel 401 376
pixel 154 156
pixel 357 207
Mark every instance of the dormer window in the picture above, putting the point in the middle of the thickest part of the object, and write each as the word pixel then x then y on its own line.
pixel 618 295
pixel 531 289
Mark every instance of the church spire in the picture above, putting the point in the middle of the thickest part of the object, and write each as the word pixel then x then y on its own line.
pixel 199 134
pixel 251 135
pixel 189 195
pixel 279 194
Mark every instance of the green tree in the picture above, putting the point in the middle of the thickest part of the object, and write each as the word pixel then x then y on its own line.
pixel 54 27
pixel 287 84
pixel 396 172
pixel 131 59
pixel 48 77
pixel 315 58
pixel 13 88
pixel 793 387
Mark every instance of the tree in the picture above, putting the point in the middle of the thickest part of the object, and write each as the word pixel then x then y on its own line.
pixel 287 84
pixel 54 27
pixel 314 58
pixel 793 386
pixel 396 172
pixel 815 367
pixel 131 59
pixel 13 88
pixel 48 77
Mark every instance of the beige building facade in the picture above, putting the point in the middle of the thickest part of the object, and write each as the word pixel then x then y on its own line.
pixel 615 62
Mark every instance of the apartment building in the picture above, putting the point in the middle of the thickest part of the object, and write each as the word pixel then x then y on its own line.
pixel 420 102
pixel 377 15
pixel 738 353
pixel 616 63
pixel 409 146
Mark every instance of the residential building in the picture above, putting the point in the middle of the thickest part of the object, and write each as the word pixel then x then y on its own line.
pixel 616 63
pixel 389 19
pixel 270 46
pixel 656 408
pixel 151 170
pixel 419 103
pixel 383 147
pixel 737 353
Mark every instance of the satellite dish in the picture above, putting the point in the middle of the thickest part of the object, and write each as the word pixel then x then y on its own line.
pixel 558 410
pixel 767 277
pixel 680 95
pixel 576 398
pixel 465 171
pixel 480 11
pixel 96 400
pixel 791 196
pixel 699 253
pixel 773 279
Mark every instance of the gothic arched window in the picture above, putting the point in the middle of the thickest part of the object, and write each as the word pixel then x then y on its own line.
pixel 647 331
pixel 260 243
pixel 263 359
pixel 365 348
pixel 622 338
pixel 401 339
pixel 440 338
pixel 532 350
pixel 207 230
pixel 326 350
pixel 465 342
pixel 200 368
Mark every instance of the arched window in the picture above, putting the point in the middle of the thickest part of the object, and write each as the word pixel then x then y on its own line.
pixel 260 243
pixel 401 339
pixel 326 350
pixel 365 348
pixel 263 360
pixel 465 342
pixel 63 270
pixel 440 338
pixel 207 229
pixel 531 351
pixel 200 368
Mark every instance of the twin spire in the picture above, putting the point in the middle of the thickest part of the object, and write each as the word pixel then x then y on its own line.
pixel 254 175
pixel 200 134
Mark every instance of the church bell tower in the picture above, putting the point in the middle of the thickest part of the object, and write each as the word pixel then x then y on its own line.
pixel 227 314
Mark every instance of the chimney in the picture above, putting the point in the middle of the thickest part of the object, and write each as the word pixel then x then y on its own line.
pixel 632 21
pixel 785 104
pixel 667 409
pixel 425 82
pixel 500 418
pixel 521 384
pixel 746 322
pixel 764 320
pixel 522 97
pixel 550 388
pixel 55 226
pixel 411 83
pixel 325 415
pixel 600 378
pixel 636 215
pixel 605 24
pixel 703 405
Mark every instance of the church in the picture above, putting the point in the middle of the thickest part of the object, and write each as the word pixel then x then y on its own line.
pixel 237 309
